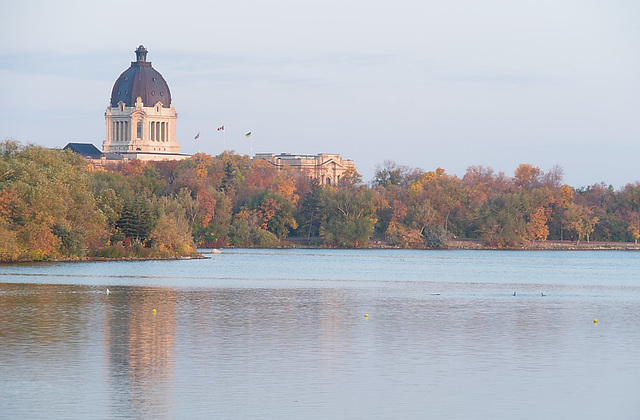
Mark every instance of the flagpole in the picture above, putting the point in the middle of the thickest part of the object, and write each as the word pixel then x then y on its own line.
pixel 224 138
pixel 250 135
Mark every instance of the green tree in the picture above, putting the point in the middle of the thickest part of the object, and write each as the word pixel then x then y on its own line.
pixel 504 223
pixel 138 219
pixel 350 216
pixel 309 214
pixel 171 233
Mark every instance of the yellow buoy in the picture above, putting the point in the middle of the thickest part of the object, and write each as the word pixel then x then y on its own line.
pixel 154 311
pixel 595 320
pixel 366 315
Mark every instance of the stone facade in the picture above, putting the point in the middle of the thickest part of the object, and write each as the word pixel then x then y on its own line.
pixel 141 128
pixel 327 168
pixel 145 128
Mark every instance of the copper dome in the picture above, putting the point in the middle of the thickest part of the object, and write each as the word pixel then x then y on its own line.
pixel 141 80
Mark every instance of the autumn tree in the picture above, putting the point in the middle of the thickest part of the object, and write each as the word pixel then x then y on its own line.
pixel 444 194
pixel 537 228
pixel 527 177
pixel 171 232
pixel 263 175
pixel 629 209
pixel 273 213
pixel 47 208
pixel 580 220
pixel 350 178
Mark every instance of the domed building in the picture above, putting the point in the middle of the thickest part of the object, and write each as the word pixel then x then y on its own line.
pixel 140 118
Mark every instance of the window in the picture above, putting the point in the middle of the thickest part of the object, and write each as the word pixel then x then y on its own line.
pixel 139 131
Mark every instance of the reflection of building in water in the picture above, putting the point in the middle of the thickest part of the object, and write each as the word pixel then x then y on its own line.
pixel 326 168
pixel 140 349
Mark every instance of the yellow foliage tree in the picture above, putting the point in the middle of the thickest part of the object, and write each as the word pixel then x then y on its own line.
pixel 537 227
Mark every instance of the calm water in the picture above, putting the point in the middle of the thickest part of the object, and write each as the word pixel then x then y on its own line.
pixel 281 334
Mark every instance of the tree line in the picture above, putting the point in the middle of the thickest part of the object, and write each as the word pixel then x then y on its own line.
pixel 53 204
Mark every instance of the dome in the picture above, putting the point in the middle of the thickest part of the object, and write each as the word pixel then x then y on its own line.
pixel 141 80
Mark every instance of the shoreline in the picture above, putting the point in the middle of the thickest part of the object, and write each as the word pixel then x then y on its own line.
pixel 296 243
pixel 477 244
pixel 104 259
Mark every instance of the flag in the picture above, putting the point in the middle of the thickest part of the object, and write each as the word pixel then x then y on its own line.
pixel 248 134
pixel 221 128
pixel 197 136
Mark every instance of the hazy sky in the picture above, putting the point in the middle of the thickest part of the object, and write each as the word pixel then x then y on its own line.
pixel 424 83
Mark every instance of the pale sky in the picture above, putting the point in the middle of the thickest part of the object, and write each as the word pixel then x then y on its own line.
pixel 424 83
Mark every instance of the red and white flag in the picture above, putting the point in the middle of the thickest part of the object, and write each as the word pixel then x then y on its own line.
pixel 221 128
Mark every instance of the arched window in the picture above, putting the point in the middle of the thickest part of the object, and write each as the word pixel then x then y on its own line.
pixel 328 181
pixel 162 129
pixel 153 131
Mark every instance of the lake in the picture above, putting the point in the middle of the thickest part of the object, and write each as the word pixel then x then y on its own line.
pixel 324 334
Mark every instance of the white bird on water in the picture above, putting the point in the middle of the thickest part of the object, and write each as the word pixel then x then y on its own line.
pixel 107 290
